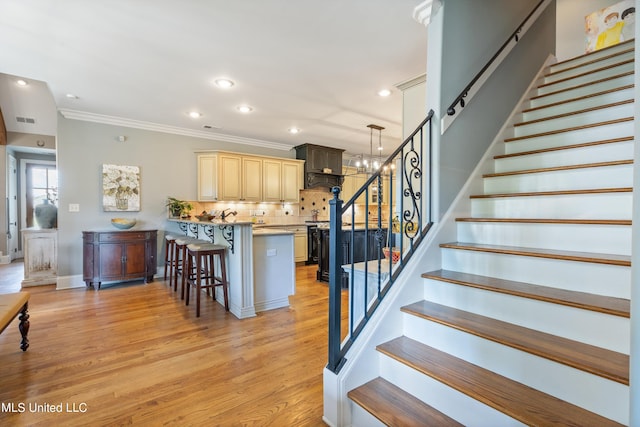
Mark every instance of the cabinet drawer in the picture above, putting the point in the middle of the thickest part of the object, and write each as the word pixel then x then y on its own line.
pixel 122 236
pixel 298 230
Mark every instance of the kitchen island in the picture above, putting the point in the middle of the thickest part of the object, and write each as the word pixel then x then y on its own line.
pixel 260 263
pixel 357 243
pixel 238 238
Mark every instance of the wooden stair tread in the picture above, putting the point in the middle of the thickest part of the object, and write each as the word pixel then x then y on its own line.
pixel 565 147
pixel 554 193
pixel 598 303
pixel 395 407
pixel 597 258
pixel 516 400
pixel 593 61
pixel 583 85
pixel 575 76
pixel 575 112
pixel 560 168
pixel 579 98
pixel 549 221
pixel 599 51
pixel 595 360
pixel 571 129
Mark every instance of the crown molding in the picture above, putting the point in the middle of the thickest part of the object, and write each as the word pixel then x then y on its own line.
pixel 138 124
pixel 425 10
pixel 411 82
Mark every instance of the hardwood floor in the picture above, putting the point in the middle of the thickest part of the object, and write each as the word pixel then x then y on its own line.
pixel 134 354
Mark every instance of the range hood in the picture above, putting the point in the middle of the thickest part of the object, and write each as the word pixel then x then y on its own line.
pixel 322 166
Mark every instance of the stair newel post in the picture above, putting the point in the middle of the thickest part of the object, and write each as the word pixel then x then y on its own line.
pixel 335 279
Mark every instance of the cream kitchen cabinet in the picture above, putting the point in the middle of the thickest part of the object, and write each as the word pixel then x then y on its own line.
pixel 229 177
pixel 353 182
pixel 282 180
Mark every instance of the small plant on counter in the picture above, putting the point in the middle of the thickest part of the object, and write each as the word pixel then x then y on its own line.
pixel 178 208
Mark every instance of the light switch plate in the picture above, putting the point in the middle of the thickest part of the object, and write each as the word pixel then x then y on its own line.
pixel 74 207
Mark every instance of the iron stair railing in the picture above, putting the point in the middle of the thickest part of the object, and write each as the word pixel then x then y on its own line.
pixel 392 210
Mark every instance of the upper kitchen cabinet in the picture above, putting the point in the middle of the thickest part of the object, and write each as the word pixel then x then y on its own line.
pixel 225 176
pixel 323 165
pixel 229 177
pixel 282 180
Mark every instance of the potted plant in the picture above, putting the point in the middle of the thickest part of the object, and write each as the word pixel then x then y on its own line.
pixel 178 208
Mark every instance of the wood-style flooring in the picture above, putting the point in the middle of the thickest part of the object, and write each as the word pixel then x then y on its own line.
pixel 133 354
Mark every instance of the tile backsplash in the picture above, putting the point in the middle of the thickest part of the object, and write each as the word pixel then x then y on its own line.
pixel 281 213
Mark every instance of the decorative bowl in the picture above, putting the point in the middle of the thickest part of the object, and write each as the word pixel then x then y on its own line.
pixel 123 223
pixel 394 252
pixel 204 216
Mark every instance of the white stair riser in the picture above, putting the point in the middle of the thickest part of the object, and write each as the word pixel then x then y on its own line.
pixel 568 107
pixel 599 395
pixel 571 206
pixel 578 91
pixel 616 176
pixel 613 239
pixel 600 279
pixel 579 136
pixel 618 69
pixel 581 119
pixel 361 418
pixel 598 329
pixel 591 154
pixel 613 50
pixel 555 75
pixel 464 409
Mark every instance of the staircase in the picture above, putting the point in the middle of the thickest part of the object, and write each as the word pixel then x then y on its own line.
pixel 527 321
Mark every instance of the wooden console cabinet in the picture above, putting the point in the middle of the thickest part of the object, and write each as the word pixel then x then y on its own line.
pixel 116 256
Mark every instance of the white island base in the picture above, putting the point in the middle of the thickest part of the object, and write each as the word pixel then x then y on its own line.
pixel 274 275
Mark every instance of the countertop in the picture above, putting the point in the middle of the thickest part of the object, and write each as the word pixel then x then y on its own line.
pixel 270 232
pixel 214 222
pixel 271 225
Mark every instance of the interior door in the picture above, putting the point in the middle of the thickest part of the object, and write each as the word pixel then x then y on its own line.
pixel 12 207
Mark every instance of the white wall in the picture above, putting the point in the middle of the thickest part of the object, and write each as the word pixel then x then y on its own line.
pixel 167 167
pixel 571 39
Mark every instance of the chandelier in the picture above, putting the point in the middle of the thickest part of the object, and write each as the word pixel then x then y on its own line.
pixel 368 165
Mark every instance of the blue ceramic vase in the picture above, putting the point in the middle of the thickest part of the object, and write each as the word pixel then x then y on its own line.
pixel 46 215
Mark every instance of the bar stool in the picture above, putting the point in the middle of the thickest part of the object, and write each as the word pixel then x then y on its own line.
pixel 169 256
pixel 180 249
pixel 201 271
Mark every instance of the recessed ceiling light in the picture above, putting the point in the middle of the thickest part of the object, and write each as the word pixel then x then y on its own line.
pixel 224 83
pixel 384 92
pixel 195 115
pixel 71 96
pixel 244 109
pixel 294 130
pixel 21 82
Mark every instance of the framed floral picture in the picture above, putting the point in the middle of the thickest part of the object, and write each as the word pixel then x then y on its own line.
pixel 120 188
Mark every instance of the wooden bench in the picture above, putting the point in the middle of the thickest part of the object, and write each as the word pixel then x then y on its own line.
pixel 12 305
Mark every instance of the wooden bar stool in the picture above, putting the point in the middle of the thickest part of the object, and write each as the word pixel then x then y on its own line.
pixel 201 271
pixel 181 261
pixel 169 256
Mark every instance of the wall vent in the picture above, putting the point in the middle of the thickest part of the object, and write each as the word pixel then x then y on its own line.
pixel 29 120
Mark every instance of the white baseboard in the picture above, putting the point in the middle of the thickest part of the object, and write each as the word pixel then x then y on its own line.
pixel 70 282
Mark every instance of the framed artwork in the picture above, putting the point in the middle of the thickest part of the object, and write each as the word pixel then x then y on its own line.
pixel 120 188
pixel 610 26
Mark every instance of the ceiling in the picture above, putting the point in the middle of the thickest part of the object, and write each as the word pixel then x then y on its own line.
pixel 312 65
